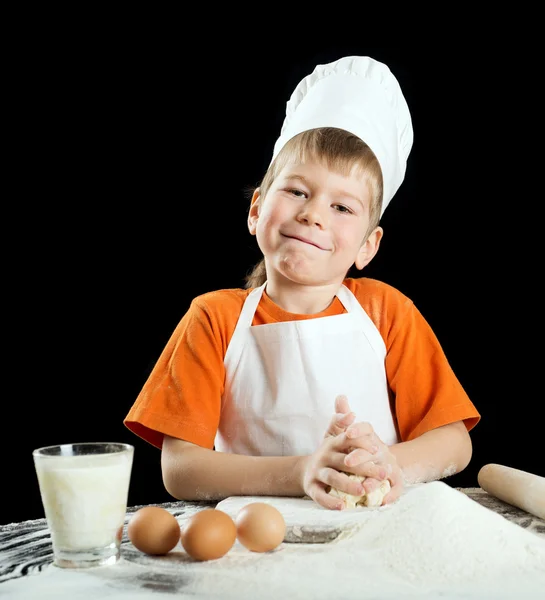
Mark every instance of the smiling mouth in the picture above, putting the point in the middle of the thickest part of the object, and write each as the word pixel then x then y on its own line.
pixel 304 241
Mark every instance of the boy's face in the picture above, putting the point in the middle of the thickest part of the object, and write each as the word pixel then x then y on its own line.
pixel 312 223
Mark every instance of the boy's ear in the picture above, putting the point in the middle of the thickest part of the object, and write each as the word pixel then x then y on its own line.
pixel 253 215
pixel 369 248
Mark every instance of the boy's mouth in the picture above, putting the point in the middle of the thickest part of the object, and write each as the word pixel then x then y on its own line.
pixel 304 240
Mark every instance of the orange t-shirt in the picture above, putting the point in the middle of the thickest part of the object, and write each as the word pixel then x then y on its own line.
pixel 182 395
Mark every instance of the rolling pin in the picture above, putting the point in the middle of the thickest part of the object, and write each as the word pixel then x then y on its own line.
pixel 518 488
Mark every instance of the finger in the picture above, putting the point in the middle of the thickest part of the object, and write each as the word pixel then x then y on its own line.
pixel 335 460
pixel 357 456
pixel 341 404
pixel 332 429
pixel 339 423
pixel 340 443
pixel 397 483
pixel 369 469
pixel 394 493
pixel 341 481
pixel 323 498
pixel 360 429
pixel 344 420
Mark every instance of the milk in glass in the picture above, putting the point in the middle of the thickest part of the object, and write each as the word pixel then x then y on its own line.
pixel 85 498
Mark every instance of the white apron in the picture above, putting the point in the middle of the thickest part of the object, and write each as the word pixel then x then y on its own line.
pixel 282 380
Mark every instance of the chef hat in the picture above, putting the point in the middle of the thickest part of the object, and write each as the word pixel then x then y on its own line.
pixel 362 96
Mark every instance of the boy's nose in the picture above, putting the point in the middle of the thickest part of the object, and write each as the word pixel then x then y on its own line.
pixel 312 214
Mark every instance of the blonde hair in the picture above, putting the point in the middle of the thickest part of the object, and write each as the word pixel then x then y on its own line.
pixel 341 152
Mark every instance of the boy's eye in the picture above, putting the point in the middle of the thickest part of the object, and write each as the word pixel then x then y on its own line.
pixel 342 208
pixel 297 193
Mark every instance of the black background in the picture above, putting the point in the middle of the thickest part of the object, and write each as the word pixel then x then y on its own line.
pixel 133 161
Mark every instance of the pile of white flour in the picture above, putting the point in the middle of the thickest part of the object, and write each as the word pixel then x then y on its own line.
pixel 439 537
pixel 434 542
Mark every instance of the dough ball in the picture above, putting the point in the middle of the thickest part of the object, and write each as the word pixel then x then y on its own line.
pixel 371 499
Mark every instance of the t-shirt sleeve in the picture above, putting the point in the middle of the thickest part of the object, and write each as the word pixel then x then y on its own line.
pixel 426 392
pixel 182 395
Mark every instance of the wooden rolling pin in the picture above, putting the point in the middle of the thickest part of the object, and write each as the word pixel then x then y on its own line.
pixel 518 488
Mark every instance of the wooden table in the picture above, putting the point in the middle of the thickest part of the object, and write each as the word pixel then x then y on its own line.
pixel 25 547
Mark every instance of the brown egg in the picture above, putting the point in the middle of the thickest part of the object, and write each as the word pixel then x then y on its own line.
pixel 260 527
pixel 208 534
pixel 153 530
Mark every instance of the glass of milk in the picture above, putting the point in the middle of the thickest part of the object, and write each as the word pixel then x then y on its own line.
pixel 84 489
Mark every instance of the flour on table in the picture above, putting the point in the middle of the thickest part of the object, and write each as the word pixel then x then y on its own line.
pixel 435 534
pixel 433 542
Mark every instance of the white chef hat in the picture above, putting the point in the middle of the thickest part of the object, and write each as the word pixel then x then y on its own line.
pixel 361 95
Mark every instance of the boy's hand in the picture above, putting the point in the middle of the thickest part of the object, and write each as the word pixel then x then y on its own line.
pixel 342 418
pixel 367 447
pixel 350 447
pixel 326 468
